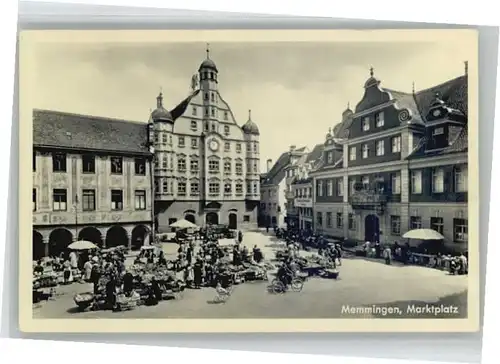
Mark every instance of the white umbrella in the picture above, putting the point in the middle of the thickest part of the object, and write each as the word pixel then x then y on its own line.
pixel 183 224
pixel 82 245
pixel 423 234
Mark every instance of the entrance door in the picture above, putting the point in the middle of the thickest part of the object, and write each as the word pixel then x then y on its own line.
pixel 212 218
pixel 233 221
pixel 372 228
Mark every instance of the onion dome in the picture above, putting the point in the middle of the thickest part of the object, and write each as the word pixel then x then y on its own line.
pixel 347 113
pixel 160 113
pixel 250 127
pixel 208 63
pixel 372 81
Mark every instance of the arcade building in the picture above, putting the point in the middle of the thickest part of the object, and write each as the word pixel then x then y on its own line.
pixel 91 181
pixel 398 161
pixel 206 167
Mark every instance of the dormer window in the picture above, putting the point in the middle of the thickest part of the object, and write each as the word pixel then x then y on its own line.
pixel 366 123
pixel 330 157
pixel 194 110
pixel 379 119
pixel 439 139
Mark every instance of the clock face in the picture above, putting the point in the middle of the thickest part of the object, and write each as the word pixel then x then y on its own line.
pixel 213 145
pixel 436 112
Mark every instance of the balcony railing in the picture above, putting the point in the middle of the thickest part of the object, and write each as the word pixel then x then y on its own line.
pixel 368 200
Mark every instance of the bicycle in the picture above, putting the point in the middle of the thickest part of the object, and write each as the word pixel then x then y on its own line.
pixel 296 285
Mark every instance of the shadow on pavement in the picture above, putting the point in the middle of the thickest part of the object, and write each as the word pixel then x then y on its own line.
pixel 451 306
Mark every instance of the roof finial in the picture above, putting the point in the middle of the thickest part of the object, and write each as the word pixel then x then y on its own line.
pixel 329 130
pixel 159 99
pixel 413 87
pixel 371 71
pixel 249 114
pixel 208 50
pixel 466 64
pixel 438 95
pixel 348 105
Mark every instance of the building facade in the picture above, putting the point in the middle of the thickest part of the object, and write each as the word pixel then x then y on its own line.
pixel 91 181
pixel 206 166
pixel 303 202
pixel 398 162
pixel 301 163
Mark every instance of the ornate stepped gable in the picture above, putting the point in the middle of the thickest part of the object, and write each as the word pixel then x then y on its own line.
pixel 453 93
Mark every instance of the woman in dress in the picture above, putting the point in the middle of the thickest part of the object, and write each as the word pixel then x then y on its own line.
pixel 87 268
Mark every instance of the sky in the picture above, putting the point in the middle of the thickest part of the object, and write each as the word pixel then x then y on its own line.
pixel 296 90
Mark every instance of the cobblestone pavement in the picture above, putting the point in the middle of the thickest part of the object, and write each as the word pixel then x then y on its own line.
pixel 362 284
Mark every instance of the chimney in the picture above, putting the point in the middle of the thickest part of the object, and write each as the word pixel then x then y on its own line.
pixel 292 148
pixel 269 164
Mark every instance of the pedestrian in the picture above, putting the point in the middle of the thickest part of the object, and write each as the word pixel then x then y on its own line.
pixel 197 273
pixel 87 268
pixel 387 255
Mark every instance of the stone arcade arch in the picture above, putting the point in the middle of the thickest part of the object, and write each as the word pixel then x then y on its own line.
pixel 212 218
pixel 189 215
pixel 116 236
pixel 139 235
pixel 59 240
pixel 38 246
pixel 91 234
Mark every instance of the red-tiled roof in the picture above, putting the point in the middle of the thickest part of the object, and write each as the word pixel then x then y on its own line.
pixel 83 132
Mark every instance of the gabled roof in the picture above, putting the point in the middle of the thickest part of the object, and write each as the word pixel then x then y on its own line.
pixel 180 109
pixel 84 132
pixel 314 156
pixel 407 101
pixel 452 92
pixel 277 172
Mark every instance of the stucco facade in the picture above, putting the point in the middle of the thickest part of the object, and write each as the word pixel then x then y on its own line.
pixel 206 165
pixel 101 195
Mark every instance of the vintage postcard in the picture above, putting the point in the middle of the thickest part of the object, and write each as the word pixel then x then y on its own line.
pixel 249 181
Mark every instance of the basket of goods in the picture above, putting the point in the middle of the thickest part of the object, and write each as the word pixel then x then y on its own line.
pixel 330 274
pixel 239 278
pixel 46 281
pixel 127 302
pixel 84 300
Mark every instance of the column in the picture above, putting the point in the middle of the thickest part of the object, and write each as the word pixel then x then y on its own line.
pixel 405 199
pixel 46 247
pixel 129 240
pixel 103 239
